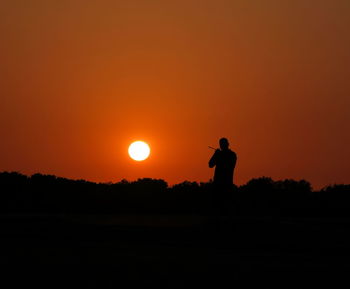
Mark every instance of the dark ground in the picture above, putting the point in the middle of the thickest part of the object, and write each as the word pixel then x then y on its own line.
pixel 105 251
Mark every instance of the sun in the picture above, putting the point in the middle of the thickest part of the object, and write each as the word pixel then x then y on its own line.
pixel 139 151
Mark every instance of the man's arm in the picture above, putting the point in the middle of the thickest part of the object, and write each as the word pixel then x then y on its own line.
pixel 212 161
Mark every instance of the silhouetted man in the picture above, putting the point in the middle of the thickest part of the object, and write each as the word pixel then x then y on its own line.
pixel 224 160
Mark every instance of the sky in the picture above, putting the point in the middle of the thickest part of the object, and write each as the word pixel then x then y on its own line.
pixel 81 80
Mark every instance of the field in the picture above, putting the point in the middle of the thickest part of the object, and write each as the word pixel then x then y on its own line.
pixel 177 251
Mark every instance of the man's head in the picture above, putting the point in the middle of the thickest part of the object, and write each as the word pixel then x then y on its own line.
pixel 224 143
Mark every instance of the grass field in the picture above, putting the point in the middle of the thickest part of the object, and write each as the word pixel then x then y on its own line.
pixel 176 251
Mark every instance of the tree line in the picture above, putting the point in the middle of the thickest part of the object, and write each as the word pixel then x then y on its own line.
pixel 263 196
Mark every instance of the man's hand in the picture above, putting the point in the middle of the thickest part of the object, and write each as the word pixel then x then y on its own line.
pixel 212 161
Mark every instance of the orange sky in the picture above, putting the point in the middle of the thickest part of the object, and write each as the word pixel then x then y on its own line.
pixel 80 80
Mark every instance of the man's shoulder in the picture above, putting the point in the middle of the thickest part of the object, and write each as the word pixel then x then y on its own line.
pixel 231 151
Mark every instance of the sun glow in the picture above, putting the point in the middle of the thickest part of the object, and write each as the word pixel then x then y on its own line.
pixel 139 150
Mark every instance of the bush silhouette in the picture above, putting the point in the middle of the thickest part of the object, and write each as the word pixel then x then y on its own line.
pixel 260 196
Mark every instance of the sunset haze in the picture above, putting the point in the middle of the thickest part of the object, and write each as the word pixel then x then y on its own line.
pixel 81 80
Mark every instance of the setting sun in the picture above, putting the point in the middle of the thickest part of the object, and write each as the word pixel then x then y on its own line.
pixel 139 150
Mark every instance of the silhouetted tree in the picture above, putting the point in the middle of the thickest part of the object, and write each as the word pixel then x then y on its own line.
pixel 259 196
